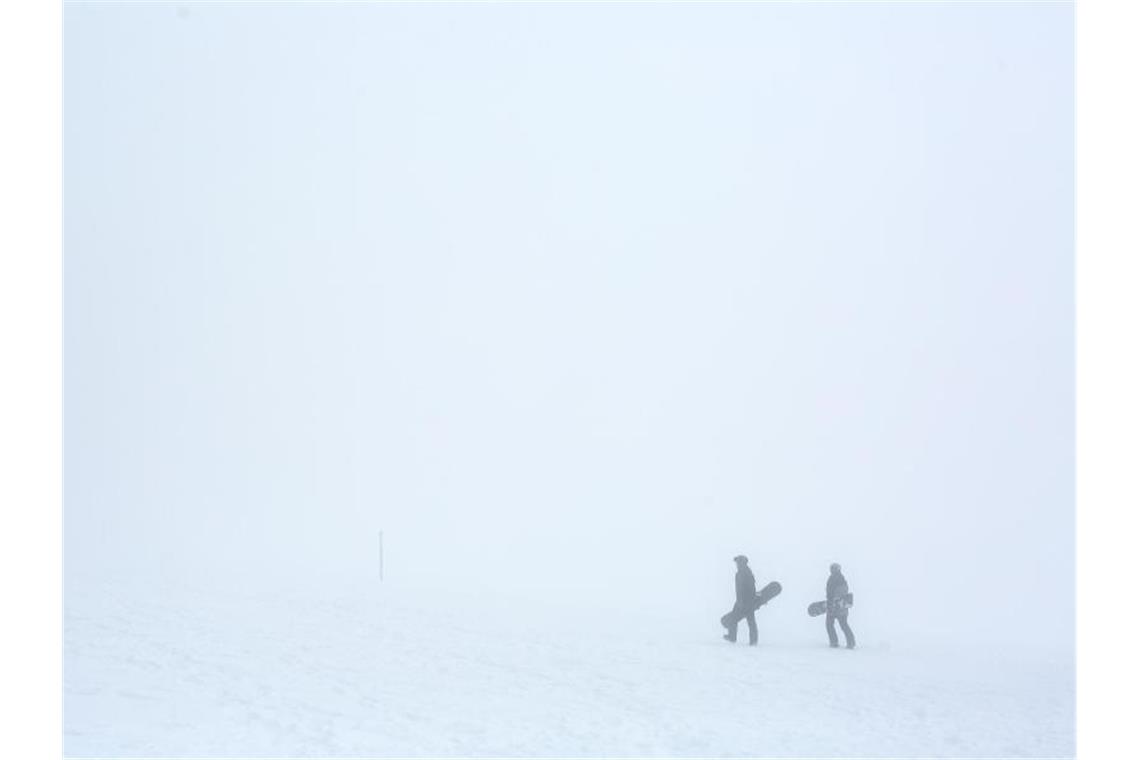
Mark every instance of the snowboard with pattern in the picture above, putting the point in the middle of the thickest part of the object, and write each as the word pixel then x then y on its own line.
pixel 815 609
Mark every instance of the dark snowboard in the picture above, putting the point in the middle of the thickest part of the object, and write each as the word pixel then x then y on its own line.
pixel 767 594
pixel 763 596
pixel 815 609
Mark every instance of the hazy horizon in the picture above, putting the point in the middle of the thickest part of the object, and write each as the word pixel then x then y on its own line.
pixel 579 300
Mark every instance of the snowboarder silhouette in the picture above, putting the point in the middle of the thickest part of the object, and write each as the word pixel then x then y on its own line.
pixel 838 600
pixel 745 607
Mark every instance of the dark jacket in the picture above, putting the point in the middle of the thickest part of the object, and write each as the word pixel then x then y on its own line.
pixel 836 587
pixel 745 586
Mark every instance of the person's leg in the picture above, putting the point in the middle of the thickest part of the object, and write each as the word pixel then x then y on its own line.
pixel 847 634
pixel 753 635
pixel 832 637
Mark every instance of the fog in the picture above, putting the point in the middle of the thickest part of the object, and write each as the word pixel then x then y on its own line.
pixel 577 300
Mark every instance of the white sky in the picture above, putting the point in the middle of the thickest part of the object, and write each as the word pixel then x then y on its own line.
pixel 585 298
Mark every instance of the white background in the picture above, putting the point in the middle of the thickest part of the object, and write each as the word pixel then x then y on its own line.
pixel 578 301
pixel 32 387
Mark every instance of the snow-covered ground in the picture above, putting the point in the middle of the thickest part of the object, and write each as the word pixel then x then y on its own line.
pixel 181 670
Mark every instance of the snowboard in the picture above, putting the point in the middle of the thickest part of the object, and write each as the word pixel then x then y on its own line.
pixel 763 596
pixel 815 609
pixel 767 594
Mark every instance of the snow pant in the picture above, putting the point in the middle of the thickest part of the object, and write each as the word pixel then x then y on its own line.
pixel 733 618
pixel 847 634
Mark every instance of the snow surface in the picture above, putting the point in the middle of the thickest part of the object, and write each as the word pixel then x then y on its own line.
pixel 192 670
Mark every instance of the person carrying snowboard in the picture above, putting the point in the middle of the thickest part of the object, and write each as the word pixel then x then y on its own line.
pixel 837 603
pixel 745 607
